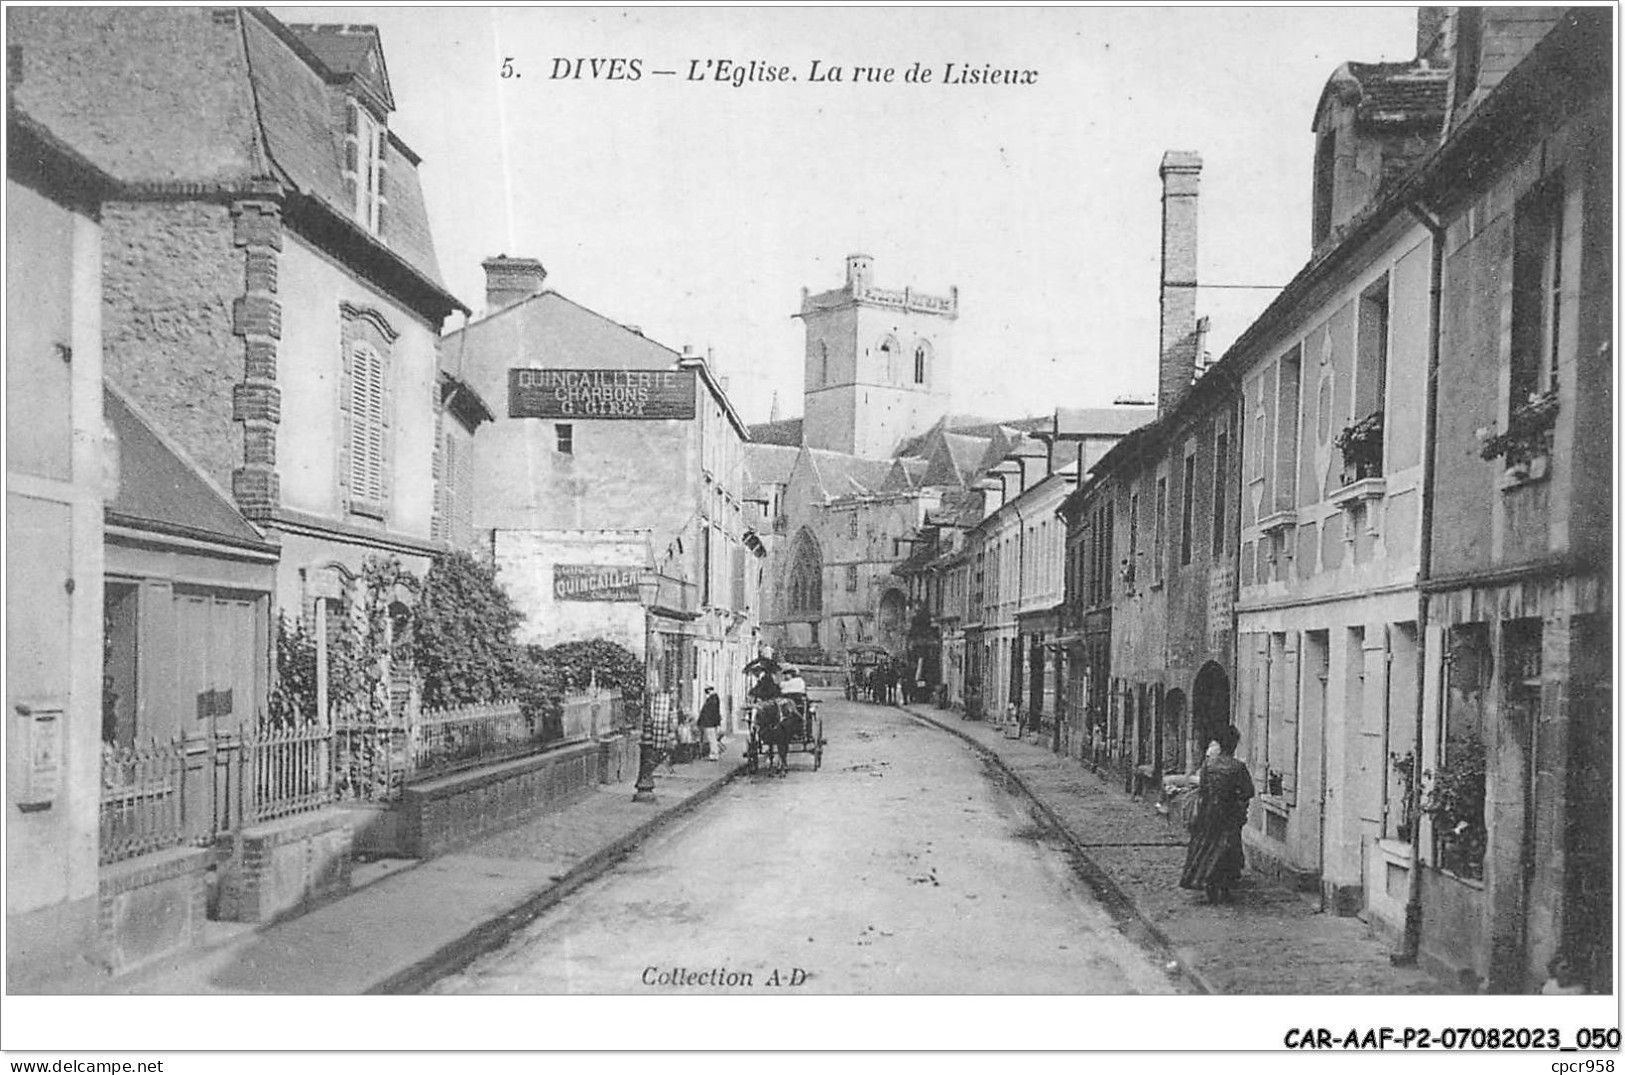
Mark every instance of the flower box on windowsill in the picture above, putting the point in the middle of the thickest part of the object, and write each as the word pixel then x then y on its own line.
pixel 1526 445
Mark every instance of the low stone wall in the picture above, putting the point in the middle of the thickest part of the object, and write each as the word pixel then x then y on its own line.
pixel 150 907
pixel 284 866
pixel 439 815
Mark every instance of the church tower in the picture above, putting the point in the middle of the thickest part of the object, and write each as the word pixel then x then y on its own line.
pixel 877 365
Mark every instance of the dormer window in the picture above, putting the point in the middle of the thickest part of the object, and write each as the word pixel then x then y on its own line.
pixel 364 139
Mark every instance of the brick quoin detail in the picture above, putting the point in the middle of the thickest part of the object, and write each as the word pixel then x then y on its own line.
pixel 256 403
pixel 257 223
pixel 257 315
pixel 257 318
pixel 257 491
pixel 259 445
pixel 261 272
pixel 259 361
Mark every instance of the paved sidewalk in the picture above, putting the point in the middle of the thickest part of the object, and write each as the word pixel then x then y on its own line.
pixel 409 922
pixel 1271 940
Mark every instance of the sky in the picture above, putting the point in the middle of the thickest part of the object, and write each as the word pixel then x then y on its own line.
pixel 698 209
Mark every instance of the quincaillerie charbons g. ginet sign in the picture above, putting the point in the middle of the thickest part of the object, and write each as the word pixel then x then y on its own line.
pixel 600 393
pixel 595 582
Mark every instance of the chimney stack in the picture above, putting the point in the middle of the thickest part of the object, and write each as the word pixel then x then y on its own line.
pixel 1181 173
pixel 510 280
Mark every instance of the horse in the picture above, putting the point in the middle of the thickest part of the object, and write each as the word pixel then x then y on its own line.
pixel 778 720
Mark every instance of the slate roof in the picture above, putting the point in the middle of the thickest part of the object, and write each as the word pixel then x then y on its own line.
pixel 160 489
pixel 1400 92
pixel 785 432
pixel 350 52
pixel 840 474
pixel 769 463
pixel 179 98
pixel 1412 93
pixel 907 474
pixel 297 118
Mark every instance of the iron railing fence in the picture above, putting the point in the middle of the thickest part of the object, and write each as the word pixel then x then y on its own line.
pixel 592 713
pixel 450 739
pixel 160 794
pixel 285 770
pixel 143 798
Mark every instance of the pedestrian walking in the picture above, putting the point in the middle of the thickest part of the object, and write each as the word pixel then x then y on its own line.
pixel 660 730
pixel 1214 859
pixel 711 723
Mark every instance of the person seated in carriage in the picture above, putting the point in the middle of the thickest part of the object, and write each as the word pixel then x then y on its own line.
pixel 766 688
pixel 793 687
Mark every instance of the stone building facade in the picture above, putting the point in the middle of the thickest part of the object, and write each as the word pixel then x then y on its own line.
pixel 266 296
pixel 1420 596
pixel 878 363
pixel 1517 605
pixel 570 484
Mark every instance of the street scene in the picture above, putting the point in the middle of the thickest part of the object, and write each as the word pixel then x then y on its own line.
pixel 665 502
pixel 898 869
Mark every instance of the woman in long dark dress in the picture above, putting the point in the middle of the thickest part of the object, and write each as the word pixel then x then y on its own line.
pixel 1214 860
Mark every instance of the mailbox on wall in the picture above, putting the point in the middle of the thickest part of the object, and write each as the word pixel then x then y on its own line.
pixel 39 735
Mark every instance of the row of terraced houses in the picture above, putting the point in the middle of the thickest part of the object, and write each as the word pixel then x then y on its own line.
pixel 234 409
pixel 1375 534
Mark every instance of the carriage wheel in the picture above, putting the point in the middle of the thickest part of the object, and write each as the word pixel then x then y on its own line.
pixel 752 754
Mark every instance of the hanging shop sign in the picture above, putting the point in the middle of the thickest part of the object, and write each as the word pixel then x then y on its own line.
pixel 596 582
pixel 565 394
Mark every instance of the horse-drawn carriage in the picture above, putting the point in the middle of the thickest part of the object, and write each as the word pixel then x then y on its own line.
pixel 781 726
pixel 864 660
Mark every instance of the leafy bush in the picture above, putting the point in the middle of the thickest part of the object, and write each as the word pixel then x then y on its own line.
pixel 293 698
pixel 1455 800
pixel 463 639
pixel 544 675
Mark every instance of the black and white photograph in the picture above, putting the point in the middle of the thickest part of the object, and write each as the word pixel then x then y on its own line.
pixel 963 511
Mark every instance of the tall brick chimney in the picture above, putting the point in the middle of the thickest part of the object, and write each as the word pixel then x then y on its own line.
pixel 510 280
pixel 1180 172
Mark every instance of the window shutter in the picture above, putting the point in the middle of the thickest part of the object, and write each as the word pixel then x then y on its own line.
pixel 367 424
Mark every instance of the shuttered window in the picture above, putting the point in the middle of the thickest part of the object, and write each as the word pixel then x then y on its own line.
pixel 367 404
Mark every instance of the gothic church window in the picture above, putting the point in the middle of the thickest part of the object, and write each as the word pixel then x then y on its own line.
pixel 888 359
pixel 921 360
pixel 806 579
